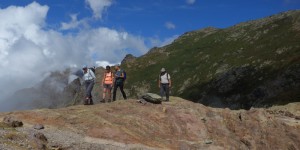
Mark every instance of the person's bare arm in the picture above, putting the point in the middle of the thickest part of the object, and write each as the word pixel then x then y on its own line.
pixel 158 81
pixel 103 78
pixel 113 79
pixel 170 82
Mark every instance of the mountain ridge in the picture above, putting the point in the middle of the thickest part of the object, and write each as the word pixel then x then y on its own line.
pixel 204 62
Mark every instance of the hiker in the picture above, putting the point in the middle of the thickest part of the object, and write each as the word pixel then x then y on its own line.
pixel 107 83
pixel 119 82
pixel 164 83
pixel 89 80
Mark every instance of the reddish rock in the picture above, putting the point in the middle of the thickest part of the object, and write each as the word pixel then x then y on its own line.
pixel 175 125
pixel 13 122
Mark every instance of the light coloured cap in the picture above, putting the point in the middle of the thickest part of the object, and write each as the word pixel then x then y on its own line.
pixel 84 66
pixel 162 70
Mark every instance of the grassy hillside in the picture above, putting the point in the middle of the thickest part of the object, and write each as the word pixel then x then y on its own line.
pixel 227 65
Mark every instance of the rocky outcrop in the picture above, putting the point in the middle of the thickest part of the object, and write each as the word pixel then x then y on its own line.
pixel 247 87
pixel 178 124
pixel 152 98
pixel 129 58
pixel 12 122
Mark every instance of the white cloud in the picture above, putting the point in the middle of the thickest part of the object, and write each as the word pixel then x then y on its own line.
pixel 170 25
pixel 27 50
pixel 105 63
pixel 107 44
pixel 74 23
pixel 190 2
pixel 98 6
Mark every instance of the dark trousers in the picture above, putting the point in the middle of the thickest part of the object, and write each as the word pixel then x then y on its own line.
pixel 121 85
pixel 89 85
pixel 164 89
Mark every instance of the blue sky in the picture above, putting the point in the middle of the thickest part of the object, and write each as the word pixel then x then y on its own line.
pixel 142 17
pixel 56 34
pixel 149 18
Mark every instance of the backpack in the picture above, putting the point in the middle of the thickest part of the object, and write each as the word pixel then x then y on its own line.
pixel 159 76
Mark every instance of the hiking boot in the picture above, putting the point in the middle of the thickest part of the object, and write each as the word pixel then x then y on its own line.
pixel 85 102
pixel 102 101
pixel 91 102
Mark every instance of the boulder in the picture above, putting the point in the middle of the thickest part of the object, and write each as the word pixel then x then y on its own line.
pixel 40 136
pixel 13 122
pixel 38 126
pixel 152 98
pixel 40 140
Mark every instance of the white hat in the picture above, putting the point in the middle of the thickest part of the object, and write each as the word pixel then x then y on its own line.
pixel 162 70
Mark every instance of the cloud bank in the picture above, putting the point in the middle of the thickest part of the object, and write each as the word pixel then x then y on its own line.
pixel 29 51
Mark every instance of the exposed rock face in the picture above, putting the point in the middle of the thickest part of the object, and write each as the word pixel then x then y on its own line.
pixel 178 124
pixel 129 58
pixel 12 122
pixel 234 90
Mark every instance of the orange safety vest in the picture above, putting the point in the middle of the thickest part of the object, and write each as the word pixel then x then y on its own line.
pixel 108 78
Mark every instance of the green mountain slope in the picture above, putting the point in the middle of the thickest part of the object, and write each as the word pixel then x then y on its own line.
pixel 255 63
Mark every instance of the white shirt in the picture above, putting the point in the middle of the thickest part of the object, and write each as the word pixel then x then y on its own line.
pixel 89 75
pixel 164 78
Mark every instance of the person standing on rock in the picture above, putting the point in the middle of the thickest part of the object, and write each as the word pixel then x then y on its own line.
pixel 89 81
pixel 119 82
pixel 107 83
pixel 164 83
